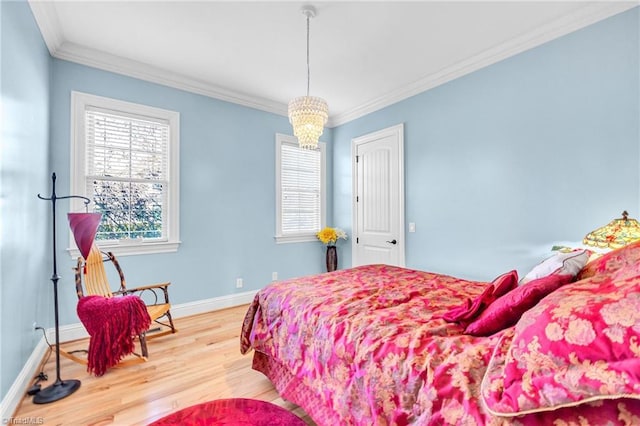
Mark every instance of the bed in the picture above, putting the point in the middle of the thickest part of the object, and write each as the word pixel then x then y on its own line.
pixel 383 345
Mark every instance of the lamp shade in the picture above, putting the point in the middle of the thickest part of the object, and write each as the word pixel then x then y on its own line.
pixel 617 233
pixel 84 227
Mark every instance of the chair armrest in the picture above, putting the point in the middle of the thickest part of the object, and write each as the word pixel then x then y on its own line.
pixel 147 287
pixel 152 288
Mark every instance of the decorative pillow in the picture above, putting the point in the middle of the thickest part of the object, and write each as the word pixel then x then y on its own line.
pixel 508 309
pixel 561 264
pixel 471 308
pixel 612 261
pixel 580 344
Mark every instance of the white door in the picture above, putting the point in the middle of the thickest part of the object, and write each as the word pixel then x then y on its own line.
pixel 378 202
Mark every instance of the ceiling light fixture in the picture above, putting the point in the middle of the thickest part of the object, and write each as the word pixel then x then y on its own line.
pixel 308 114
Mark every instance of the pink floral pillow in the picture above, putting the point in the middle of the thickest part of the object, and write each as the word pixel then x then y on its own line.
pixel 508 309
pixel 580 344
pixel 612 261
pixel 470 309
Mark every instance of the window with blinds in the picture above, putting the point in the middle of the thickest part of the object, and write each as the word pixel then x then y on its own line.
pixel 127 174
pixel 300 190
pixel 125 162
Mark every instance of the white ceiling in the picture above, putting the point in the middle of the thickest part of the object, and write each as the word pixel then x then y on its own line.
pixel 364 55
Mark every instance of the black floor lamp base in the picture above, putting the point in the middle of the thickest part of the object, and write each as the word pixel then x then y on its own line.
pixel 56 391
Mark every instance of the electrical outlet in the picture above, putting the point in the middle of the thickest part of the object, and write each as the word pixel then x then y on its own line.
pixel 239 283
pixel 274 276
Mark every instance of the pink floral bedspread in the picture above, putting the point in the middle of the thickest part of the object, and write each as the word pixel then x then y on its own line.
pixel 370 343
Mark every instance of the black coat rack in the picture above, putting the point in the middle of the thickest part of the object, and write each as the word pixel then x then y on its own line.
pixel 61 388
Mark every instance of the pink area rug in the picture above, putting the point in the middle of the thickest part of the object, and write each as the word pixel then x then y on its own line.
pixel 234 411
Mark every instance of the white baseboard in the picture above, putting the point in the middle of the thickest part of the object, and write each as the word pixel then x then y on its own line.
pixel 213 304
pixel 24 380
pixel 76 331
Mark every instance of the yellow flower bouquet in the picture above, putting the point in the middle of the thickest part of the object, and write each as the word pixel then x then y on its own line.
pixel 330 236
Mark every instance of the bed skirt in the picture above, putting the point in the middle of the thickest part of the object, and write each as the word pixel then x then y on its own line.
pixel 293 389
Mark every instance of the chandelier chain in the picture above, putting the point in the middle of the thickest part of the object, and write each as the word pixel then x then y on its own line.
pixel 308 114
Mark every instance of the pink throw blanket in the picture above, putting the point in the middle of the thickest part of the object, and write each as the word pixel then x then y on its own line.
pixel 112 323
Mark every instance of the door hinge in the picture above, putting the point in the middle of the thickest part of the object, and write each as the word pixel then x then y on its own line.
pixel 357 198
pixel 357 240
pixel 357 158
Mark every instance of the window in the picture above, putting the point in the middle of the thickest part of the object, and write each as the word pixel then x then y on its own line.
pixel 300 190
pixel 124 158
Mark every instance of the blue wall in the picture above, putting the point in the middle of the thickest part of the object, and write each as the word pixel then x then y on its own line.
pixel 25 244
pixel 501 163
pixel 227 191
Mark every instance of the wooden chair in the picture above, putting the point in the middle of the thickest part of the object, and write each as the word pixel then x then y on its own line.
pixel 155 296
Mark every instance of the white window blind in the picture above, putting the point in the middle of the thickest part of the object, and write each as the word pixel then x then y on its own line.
pixel 300 189
pixel 127 170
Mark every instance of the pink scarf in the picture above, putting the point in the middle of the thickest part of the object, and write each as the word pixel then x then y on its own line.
pixel 112 323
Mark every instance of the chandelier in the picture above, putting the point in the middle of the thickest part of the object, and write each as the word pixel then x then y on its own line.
pixel 308 114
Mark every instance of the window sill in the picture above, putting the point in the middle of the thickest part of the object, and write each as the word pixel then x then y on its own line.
pixel 130 249
pixel 285 239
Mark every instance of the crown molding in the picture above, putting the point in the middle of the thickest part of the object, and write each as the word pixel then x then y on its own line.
pixel 583 18
pixel 47 20
pixel 119 65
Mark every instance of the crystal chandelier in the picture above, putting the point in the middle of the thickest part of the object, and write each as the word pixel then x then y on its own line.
pixel 308 114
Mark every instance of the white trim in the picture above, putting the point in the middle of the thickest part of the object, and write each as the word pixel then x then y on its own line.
pixel 76 331
pixel 302 237
pixel 125 249
pixel 25 379
pixel 119 65
pixel 213 304
pixel 299 238
pixel 79 102
pixel 46 18
pixel 69 333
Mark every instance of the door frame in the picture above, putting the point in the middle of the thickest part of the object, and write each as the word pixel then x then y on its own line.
pixel 398 131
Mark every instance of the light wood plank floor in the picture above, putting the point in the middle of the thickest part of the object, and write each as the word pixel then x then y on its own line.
pixel 200 363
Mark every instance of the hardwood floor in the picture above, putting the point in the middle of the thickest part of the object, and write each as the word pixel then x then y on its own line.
pixel 200 363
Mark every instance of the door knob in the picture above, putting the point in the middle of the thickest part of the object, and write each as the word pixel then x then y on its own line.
pixel 393 241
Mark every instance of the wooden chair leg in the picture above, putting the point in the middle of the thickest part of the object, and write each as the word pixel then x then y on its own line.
pixel 143 345
pixel 173 328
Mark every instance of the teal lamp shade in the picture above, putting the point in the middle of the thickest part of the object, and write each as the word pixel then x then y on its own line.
pixel 84 227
